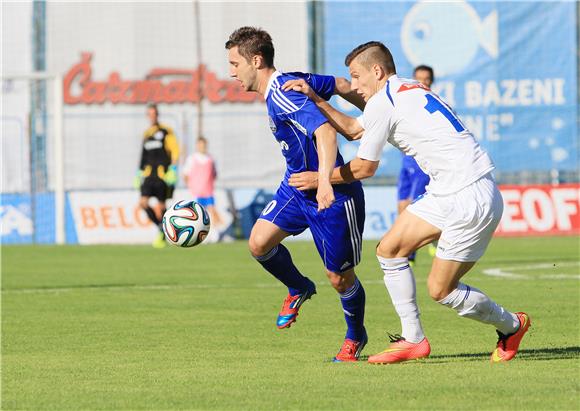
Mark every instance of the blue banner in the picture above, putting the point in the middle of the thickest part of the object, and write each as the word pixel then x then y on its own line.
pixel 20 225
pixel 509 69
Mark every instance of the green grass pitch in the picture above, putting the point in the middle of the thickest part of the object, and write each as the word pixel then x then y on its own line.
pixel 127 327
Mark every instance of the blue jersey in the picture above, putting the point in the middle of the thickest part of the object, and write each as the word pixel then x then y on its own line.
pixel 412 180
pixel 293 120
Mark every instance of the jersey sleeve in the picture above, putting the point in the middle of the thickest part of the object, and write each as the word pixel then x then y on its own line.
pixel 323 85
pixel 300 111
pixel 171 146
pixel 377 121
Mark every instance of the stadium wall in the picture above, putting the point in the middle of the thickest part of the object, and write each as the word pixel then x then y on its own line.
pixel 113 217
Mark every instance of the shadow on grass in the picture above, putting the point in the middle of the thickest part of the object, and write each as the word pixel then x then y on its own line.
pixel 553 353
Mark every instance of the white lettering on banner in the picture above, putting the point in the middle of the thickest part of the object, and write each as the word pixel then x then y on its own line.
pixel 566 201
pixel 511 210
pixel 540 209
pixel 487 127
pixel 537 210
pixel 512 92
pixel 14 220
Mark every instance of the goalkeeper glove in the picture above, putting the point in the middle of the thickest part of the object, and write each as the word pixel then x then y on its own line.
pixel 138 179
pixel 171 175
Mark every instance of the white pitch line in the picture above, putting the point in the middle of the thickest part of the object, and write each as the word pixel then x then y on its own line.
pixel 508 272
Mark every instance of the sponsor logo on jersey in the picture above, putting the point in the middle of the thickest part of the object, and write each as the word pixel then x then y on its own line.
pixel 405 87
pixel 153 144
pixel 158 135
pixel 272 125
pixel 283 145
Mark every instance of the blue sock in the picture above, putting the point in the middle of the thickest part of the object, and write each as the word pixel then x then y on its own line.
pixel 353 305
pixel 278 262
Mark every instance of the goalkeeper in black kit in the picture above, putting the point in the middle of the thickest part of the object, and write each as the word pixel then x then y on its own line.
pixel 157 174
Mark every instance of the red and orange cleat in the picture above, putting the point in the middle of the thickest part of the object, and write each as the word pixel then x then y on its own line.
pixel 401 350
pixel 507 345
pixel 290 308
pixel 350 350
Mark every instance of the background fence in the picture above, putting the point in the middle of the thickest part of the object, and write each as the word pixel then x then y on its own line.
pixel 510 69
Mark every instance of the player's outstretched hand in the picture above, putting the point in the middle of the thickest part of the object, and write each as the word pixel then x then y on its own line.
pixel 307 180
pixel 301 86
pixel 324 196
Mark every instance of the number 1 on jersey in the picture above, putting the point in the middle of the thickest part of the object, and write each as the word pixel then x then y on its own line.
pixel 434 104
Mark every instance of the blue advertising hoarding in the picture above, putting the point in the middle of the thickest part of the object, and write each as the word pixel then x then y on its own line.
pixel 509 69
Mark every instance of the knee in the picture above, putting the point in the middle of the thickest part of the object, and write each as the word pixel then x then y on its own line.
pixel 387 250
pixel 340 283
pixel 258 245
pixel 438 290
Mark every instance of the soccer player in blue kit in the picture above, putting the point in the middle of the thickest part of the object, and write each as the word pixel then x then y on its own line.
pixel 335 216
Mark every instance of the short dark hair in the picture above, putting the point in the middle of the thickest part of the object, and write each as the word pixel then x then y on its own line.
pixel 154 107
pixel 252 41
pixel 373 52
pixel 423 67
pixel 201 139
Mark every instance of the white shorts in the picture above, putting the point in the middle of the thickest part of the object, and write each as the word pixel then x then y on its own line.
pixel 467 219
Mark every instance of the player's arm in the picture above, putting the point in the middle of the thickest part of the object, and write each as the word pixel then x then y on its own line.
pixel 327 148
pixel 346 125
pixel 356 169
pixel 172 148
pixel 378 122
pixel 138 179
pixel 342 88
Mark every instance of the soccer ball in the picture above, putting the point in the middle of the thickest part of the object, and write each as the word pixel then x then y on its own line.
pixel 185 223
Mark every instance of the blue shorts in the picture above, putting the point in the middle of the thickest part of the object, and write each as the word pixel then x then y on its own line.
pixel 412 180
pixel 206 201
pixel 337 231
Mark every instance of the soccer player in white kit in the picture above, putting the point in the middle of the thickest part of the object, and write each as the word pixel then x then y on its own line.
pixel 461 209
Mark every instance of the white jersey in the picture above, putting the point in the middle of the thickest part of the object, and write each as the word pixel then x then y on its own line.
pixel 416 121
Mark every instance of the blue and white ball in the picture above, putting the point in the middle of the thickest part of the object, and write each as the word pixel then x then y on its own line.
pixel 186 223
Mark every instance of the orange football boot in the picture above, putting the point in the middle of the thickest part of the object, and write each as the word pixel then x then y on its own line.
pixel 507 345
pixel 401 350
pixel 350 350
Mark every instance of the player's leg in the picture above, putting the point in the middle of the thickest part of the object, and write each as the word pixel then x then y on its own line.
pixel 279 219
pixel 148 191
pixel 408 233
pixel 352 298
pixel 144 204
pixel 404 196
pixel 160 193
pixel 337 234
pixel 462 243
pixel 211 208
pixel 419 188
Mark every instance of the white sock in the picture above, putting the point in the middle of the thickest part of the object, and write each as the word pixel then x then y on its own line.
pixel 472 303
pixel 400 283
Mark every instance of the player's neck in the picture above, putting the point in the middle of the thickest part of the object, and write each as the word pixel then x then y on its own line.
pixel 263 79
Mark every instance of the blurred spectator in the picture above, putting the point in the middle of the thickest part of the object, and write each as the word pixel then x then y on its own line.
pixel 200 173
